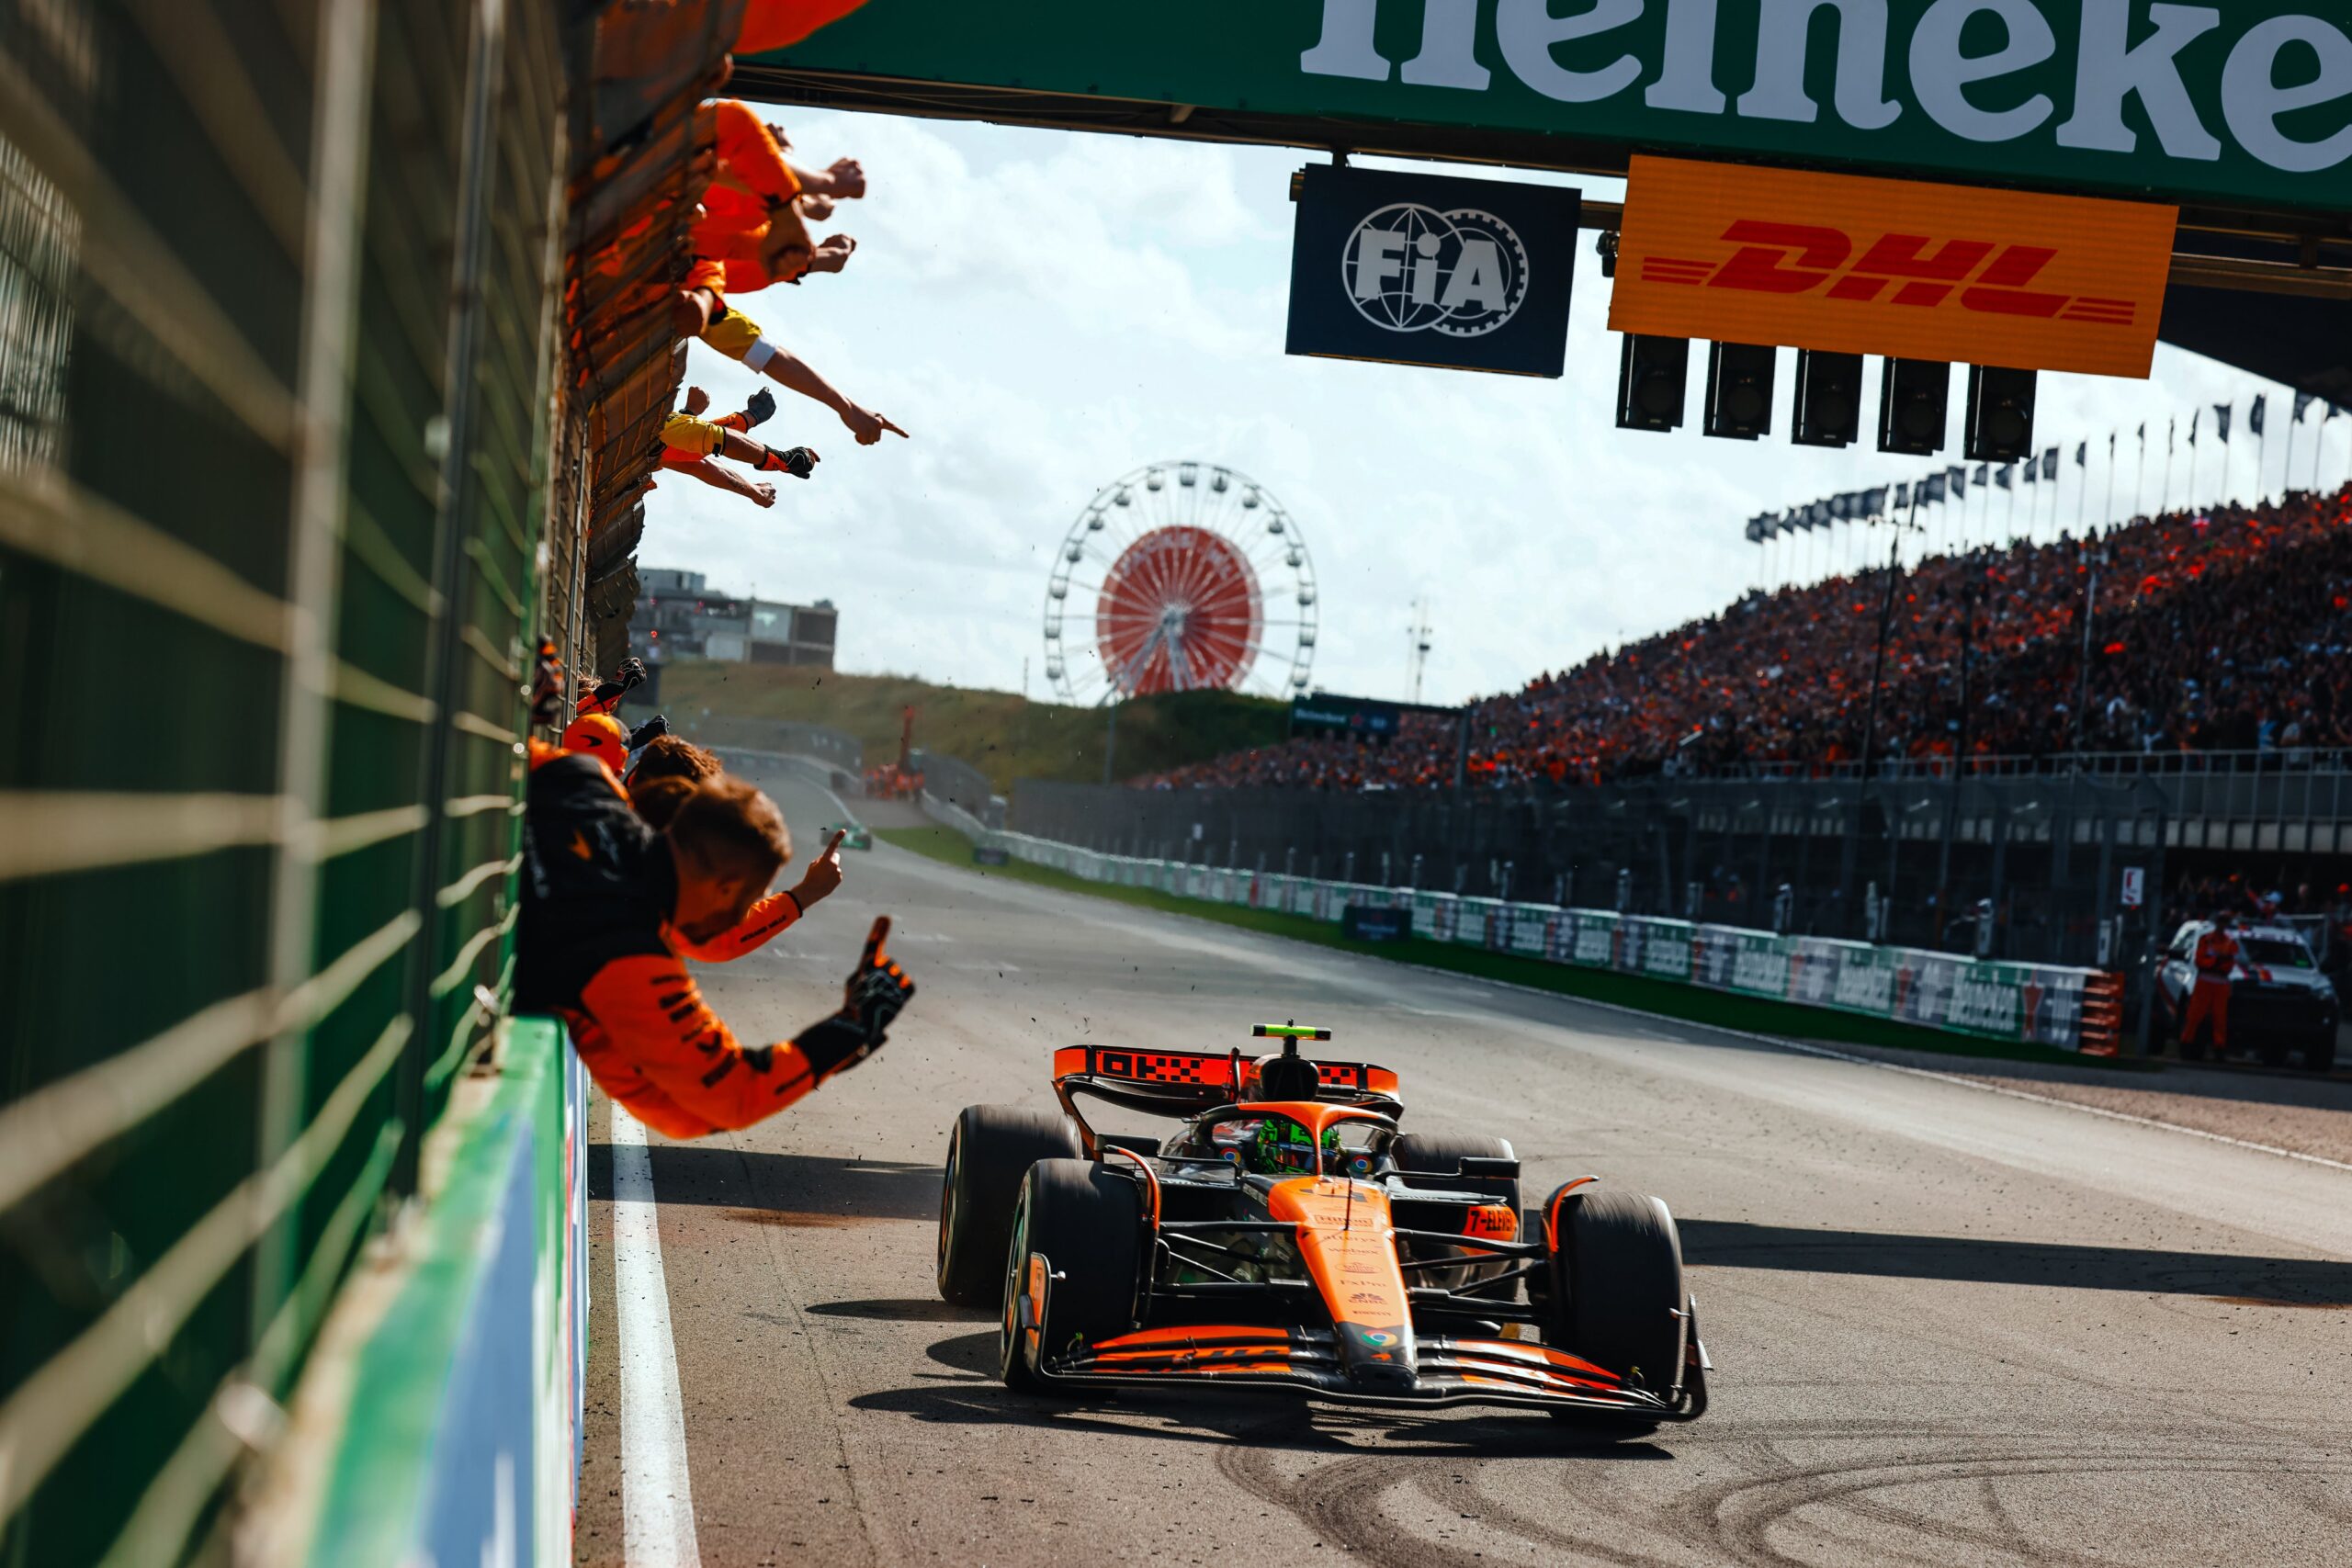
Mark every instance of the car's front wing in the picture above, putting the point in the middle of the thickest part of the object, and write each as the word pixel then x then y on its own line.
pixel 1305 1361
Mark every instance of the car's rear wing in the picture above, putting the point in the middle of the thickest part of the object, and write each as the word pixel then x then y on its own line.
pixel 1184 1083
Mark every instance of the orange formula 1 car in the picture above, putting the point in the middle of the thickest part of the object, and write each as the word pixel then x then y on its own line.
pixel 1287 1237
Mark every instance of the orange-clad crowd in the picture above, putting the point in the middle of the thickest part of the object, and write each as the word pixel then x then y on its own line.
pixel 639 850
pixel 2225 630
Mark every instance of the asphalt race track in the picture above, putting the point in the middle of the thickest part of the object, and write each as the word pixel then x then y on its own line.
pixel 1949 1326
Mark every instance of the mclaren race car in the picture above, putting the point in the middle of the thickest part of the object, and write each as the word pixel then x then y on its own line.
pixel 1288 1236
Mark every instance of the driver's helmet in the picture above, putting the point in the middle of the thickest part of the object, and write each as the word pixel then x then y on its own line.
pixel 1284 1148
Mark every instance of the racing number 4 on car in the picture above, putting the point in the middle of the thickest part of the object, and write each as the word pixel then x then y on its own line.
pixel 1287 1237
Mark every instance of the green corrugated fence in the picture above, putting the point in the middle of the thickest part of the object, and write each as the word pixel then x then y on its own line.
pixel 278 304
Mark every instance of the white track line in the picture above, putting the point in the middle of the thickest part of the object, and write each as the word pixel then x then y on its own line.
pixel 657 1499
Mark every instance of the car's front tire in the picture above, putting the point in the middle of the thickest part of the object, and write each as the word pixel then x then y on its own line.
pixel 990 1149
pixel 1081 1223
pixel 1617 1297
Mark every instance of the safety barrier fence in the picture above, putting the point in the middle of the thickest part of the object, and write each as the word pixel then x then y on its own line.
pixel 2069 1009
pixel 953 779
pixel 819 770
pixel 463 1424
pixel 726 732
pixel 2029 870
pixel 332 357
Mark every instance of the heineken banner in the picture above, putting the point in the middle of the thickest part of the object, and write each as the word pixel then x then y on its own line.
pixel 2041 1004
pixel 1531 928
pixel 1433 916
pixel 1477 922
pixel 2243 103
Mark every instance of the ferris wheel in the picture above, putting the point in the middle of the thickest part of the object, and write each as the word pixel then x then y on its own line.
pixel 1181 577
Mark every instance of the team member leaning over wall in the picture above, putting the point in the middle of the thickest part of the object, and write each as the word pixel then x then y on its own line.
pixel 667 774
pixel 691 443
pixel 608 905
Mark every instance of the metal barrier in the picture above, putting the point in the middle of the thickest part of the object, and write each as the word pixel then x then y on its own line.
pixel 953 779
pixel 2066 1008
pixel 2024 868
pixel 727 731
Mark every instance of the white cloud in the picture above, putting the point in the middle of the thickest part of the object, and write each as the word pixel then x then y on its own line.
pixel 1044 312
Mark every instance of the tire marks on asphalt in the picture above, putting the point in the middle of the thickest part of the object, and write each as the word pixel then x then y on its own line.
pixel 1771 1510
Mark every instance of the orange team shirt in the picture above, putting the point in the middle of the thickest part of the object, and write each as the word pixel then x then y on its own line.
pixel 769 918
pixel 751 162
pixel 592 945
pixel 778 24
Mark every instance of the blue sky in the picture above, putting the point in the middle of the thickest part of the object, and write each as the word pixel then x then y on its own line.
pixel 1045 312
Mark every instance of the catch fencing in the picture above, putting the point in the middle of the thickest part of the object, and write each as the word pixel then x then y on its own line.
pixel 334 350
pixel 2031 868
pixel 953 780
pixel 835 748
pixel 2065 1008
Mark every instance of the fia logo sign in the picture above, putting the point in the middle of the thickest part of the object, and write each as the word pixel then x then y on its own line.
pixel 1411 268
pixel 1464 275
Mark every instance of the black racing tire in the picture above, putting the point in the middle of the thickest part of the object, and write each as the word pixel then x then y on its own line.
pixel 1442 1154
pixel 2319 1055
pixel 1618 1298
pixel 1085 1220
pixel 990 1149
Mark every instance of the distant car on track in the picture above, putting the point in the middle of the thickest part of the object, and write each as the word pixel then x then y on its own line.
pixel 1288 1236
pixel 854 835
pixel 2279 1002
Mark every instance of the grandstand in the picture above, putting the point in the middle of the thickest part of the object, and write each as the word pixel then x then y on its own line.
pixel 2212 631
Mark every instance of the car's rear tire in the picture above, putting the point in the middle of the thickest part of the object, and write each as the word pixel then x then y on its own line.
pixel 2319 1055
pixel 1442 1154
pixel 990 1149
pixel 1618 1298
pixel 1084 1220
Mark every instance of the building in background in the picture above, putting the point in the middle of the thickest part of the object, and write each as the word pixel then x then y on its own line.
pixel 680 616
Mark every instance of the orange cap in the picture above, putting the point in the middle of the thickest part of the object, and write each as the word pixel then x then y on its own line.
pixel 599 736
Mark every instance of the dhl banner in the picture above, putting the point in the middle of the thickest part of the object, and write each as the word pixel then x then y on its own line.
pixel 1850 265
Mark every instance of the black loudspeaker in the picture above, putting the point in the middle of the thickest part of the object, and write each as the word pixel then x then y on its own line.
pixel 1829 399
pixel 2000 414
pixel 1913 404
pixel 1652 383
pixel 1740 390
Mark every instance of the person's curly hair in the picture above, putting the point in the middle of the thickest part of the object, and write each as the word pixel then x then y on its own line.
pixel 672 757
pixel 657 800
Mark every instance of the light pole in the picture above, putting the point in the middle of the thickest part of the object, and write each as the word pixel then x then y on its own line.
pixel 1878 672
pixel 1959 758
pixel 2097 559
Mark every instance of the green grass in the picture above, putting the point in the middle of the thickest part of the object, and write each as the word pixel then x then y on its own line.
pixel 1004 734
pixel 1691 1004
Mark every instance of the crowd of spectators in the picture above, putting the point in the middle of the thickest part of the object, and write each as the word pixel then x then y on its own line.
pixel 2211 631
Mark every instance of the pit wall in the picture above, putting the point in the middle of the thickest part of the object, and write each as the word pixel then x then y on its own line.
pixel 2067 1009
pixel 457 1438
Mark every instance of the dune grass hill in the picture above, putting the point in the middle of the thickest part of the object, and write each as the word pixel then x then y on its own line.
pixel 1001 733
